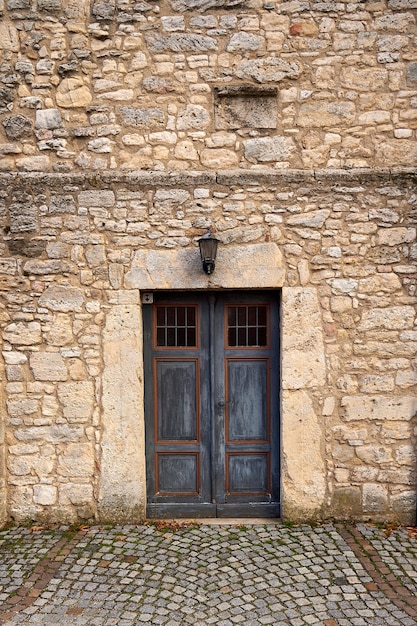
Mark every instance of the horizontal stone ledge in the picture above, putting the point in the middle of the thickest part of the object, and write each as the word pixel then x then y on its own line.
pixel 192 178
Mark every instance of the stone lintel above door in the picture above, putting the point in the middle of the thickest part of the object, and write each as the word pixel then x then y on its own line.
pixel 251 266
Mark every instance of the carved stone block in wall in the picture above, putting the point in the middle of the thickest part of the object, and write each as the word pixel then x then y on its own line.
pixel 245 107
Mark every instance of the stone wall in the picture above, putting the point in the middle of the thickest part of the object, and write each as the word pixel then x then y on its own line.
pixel 126 130
pixel 77 252
pixel 190 84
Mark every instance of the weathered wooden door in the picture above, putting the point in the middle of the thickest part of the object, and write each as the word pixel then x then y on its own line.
pixel 212 404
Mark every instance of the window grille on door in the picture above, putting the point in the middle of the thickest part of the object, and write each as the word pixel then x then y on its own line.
pixel 176 327
pixel 247 326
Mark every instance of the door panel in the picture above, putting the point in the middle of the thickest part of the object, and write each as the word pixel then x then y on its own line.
pixel 247 474
pixel 176 398
pixel 247 400
pixel 212 405
pixel 177 474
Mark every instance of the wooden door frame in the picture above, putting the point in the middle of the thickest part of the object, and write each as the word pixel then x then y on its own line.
pixel 272 297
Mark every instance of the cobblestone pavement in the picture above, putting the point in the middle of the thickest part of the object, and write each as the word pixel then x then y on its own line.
pixel 175 574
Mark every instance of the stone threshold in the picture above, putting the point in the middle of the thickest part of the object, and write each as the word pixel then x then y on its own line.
pixel 219 521
pixel 149 178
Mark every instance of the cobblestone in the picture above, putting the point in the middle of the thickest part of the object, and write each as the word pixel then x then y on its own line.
pixel 178 574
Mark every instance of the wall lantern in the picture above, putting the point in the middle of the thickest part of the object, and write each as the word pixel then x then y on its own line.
pixel 208 249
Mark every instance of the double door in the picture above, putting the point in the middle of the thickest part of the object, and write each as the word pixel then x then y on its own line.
pixel 212 404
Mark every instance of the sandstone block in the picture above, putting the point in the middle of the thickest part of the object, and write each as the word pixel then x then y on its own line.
pixel 200 5
pixel 133 140
pixel 383 282
pixel 269 69
pixel 396 236
pixel 374 498
pixel 31 464
pixel 342 453
pixel 9 37
pixel 328 405
pixel 48 366
pixel 405 455
pixel 170 197
pixel 321 115
pixel 23 334
pixel 15 373
pixel 121 488
pixel 343 285
pixel 266 149
pixel 50 266
pixel 398 5
pixel 272 22
pixel 340 304
pixel 186 150
pixel 398 22
pixel 75 494
pixel 24 406
pixel 77 399
pixel 174 23
pixel 396 317
pixel 239 42
pixel 21 502
pixel 133 42
pixel 302 439
pixel 50 406
pixel 358 408
pixel 33 164
pixel 163 137
pixel 375 117
pixel 347 501
pixel 393 431
pixel 240 107
pixel 14 358
pixel 95 255
pixel 194 117
pixel 62 298
pixel 148 118
pixel 218 158
pixel 313 219
pixel 23 217
pixel 404 504
pixel 255 266
pixel 374 455
pixel 120 95
pixel 102 145
pixel 180 42
pixel 45 494
pixel 77 461
pixel 304 29
pixel 50 6
pixel 395 151
pixel 96 198
pixel 72 93
pixel 406 378
pixel 8 266
pixel 48 118
pixel 138 62
pixel 314 157
pixel 363 79
pixel 372 383
pixel 303 361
